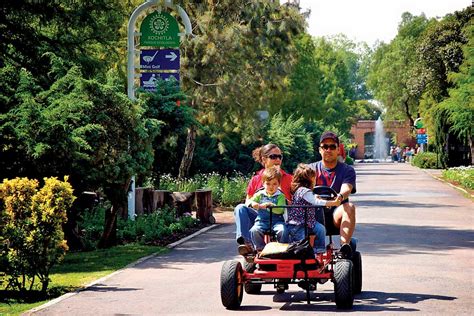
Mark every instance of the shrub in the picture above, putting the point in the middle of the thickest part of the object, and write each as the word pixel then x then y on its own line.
pixel 150 228
pixel 426 160
pixel 349 160
pixel 226 191
pixel 214 183
pixel 91 226
pixel 234 190
pixel 462 175
pixel 33 229
pixel 145 229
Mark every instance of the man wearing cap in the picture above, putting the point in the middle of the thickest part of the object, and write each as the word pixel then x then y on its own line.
pixel 342 178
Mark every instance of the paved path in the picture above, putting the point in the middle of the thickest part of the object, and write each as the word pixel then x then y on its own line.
pixel 416 237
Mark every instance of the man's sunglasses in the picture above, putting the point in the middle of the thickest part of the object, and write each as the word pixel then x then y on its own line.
pixel 275 156
pixel 331 146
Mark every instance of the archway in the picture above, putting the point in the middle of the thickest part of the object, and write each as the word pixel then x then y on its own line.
pixel 397 132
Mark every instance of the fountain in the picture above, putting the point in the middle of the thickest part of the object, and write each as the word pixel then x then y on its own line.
pixel 380 141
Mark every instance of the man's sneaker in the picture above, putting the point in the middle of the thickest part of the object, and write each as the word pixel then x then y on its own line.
pixel 246 249
pixel 345 251
pixel 353 244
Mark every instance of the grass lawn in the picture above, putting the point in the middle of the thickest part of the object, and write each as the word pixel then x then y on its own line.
pixel 77 270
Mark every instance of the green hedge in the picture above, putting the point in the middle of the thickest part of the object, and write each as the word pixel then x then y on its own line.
pixel 426 160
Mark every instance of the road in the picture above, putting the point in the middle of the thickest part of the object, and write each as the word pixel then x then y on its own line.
pixel 416 238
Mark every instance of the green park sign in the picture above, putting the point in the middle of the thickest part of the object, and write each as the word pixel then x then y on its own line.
pixel 159 29
pixel 418 123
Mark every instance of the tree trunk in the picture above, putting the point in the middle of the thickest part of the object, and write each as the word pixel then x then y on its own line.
pixel 204 206
pixel 472 149
pixel 188 153
pixel 117 194
pixel 163 199
pixel 407 112
pixel 139 208
pixel 183 202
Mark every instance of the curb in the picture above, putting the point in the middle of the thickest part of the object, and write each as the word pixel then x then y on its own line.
pixel 130 265
pixel 450 184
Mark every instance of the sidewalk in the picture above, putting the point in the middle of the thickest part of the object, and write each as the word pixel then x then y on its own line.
pixel 224 215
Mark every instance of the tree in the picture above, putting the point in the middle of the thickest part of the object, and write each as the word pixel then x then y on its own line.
pixel 85 129
pixel 293 139
pixel 326 82
pixel 395 72
pixel 241 51
pixel 82 32
pixel 449 104
pixel 168 105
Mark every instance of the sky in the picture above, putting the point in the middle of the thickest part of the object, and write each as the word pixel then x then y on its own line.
pixel 371 20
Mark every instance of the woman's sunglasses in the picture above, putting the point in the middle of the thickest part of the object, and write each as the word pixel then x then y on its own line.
pixel 275 156
pixel 331 146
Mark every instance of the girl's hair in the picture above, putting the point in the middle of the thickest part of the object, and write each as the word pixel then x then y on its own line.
pixel 302 177
pixel 263 151
pixel 270 174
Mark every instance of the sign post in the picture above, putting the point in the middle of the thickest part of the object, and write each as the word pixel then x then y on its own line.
pixel 159 29
pixel 131 32
pixel 421 136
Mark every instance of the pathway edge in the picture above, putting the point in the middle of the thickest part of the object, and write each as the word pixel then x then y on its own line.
pixel 130 265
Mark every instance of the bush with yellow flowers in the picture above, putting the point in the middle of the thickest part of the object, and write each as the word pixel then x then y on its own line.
pixel 31 221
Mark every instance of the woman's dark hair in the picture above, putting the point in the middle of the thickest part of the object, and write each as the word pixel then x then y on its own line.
pixel 263 151
pixel 302 177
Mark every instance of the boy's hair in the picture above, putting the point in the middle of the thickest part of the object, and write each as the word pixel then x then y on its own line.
pixel 270 174
pixel 302 177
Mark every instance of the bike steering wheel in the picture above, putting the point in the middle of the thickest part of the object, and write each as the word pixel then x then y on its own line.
pixel 325 192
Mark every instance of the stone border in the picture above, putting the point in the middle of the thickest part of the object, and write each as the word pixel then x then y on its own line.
pixel 130 265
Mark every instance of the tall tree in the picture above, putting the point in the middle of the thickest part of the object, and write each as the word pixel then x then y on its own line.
pixel 447 104
pixel 241 50
pixel 86 129
pixel 325 83
pixel 395 72
pixel 82 32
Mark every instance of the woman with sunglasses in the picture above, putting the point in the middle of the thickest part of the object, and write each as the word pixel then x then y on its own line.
pixel 342 178
pixel 268 156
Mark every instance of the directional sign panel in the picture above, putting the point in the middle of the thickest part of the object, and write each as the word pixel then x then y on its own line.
pixel 159 59
pixel 422 138
pixel 148 80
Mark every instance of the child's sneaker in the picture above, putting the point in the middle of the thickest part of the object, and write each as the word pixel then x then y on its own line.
pixel 246 249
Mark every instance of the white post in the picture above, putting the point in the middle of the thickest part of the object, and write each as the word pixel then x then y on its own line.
pixel 131 199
